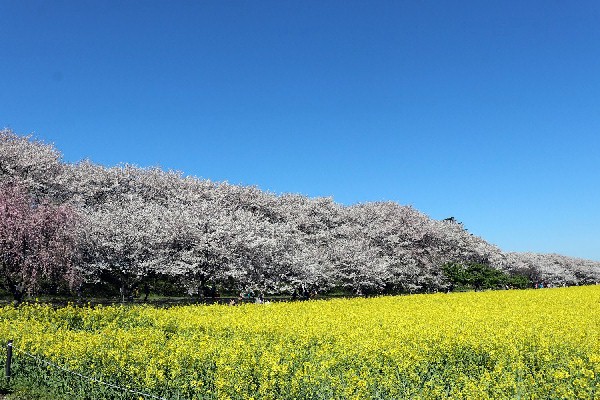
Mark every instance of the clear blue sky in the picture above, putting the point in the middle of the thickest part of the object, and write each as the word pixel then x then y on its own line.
pixel 485 111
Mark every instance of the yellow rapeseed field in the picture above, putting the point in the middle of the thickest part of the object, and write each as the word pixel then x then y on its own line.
pixel 529 344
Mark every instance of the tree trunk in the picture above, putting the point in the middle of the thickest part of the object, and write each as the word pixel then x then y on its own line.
pixel 18 292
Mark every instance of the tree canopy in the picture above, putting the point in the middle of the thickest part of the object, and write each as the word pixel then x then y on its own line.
pixel 124 226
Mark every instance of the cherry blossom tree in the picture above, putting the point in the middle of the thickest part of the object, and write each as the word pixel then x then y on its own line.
pixel 127 218
pixel 553 269
pixel 37 242
pixel 199 247
pixel 31 162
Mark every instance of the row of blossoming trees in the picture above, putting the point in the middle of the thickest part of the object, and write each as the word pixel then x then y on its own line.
pixel 87 227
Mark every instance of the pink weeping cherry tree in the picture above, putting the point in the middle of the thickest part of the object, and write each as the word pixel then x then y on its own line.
pixel 37 242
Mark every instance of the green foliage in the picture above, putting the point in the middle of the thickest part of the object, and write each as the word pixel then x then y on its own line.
pixel 519 281
pixel 481 276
